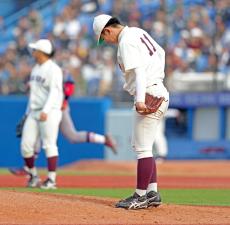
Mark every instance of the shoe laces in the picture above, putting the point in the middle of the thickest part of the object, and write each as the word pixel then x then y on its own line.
pixel 134 196
pixel 152 193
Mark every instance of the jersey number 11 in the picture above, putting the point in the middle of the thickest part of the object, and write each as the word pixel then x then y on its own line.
pixel 148 44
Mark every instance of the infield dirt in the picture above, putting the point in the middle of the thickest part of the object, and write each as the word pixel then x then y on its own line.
pixel 43 208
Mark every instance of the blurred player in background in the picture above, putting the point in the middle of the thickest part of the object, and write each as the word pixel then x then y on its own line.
pixel 142 62
pixel 71 133
pixel 44 112
pixel 161 144
pixel 67 128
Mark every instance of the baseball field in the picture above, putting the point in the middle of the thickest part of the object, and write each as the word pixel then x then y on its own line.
pixel 193 192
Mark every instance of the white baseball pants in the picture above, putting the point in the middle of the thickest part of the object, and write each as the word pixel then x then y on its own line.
pixel 46 131
pixel 145 131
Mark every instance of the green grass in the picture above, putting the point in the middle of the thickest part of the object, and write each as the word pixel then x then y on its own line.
pixel 4 171
pixel 213 197
pixel 218 197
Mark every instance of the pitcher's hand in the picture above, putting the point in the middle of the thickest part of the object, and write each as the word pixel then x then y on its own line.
pixel 141 107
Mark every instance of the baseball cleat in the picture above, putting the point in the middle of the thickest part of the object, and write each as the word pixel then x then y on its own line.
pixel 153 199
pixel 48 184
pixel 111 143
pixel 133 202
pixel 20 171
pixel 33 182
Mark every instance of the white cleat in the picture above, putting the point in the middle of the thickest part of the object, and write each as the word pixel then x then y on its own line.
pixel 33 182
pixel 48 184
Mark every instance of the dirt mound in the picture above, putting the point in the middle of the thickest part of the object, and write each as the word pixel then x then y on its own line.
pixel 40 208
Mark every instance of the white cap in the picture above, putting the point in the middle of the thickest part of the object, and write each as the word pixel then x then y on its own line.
pixel 99 23
pixel 196 32
pixel 43 45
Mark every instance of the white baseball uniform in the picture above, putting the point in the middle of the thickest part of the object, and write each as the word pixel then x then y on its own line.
pixel 161 145
pixel 142 61
pixel 46 95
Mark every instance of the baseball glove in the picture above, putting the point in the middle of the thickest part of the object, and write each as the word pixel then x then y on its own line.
pixel 152 103
pixel 19 126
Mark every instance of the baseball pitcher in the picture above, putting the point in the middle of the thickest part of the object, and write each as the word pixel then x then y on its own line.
pixel 142 62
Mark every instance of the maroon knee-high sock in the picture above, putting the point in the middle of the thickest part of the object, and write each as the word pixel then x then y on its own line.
pixel 144 172
pixel 29 162
pixel 153 178
pixel 52 163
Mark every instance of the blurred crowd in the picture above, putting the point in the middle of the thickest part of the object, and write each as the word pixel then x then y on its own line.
pixel 195 35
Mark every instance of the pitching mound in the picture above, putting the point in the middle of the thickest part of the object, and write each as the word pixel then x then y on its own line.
pixel 39 208
pixel 53 209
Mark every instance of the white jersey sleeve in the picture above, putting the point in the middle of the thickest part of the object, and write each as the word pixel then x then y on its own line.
pixel 140 84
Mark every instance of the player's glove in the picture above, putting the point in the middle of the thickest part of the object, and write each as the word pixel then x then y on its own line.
pixel 19 126
pixel 152 103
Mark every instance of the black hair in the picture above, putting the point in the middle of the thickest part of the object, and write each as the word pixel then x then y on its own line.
pixel 112 21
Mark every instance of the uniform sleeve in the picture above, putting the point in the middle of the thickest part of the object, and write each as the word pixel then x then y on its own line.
pixel 55 88
pixel 140 84
pixel 130 55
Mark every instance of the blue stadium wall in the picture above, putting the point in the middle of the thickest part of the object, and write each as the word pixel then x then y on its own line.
pixel 207 133
pixel 90 113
